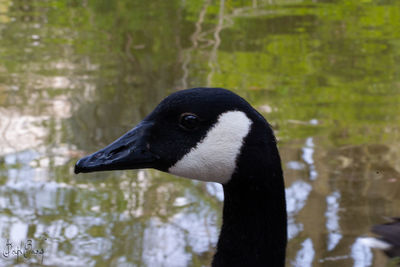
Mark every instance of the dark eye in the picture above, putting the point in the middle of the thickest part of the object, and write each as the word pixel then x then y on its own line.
pixel 189 121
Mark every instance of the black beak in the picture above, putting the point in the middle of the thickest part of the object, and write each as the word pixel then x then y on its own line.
pixel 130 151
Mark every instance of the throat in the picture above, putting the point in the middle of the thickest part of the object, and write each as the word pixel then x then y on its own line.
pixel 254 229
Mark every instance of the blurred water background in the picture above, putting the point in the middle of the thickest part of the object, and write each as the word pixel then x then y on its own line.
pixel 76 74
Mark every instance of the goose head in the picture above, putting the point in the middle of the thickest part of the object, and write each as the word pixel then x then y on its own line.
pixel 195 133
pixel 212 134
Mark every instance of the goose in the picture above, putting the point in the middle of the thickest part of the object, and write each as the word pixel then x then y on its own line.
pixel 214 135
pixel 388 239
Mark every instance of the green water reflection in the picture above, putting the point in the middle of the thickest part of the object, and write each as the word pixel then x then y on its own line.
pixel 74 75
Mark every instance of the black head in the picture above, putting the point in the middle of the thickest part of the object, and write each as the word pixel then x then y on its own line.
pixel 196 133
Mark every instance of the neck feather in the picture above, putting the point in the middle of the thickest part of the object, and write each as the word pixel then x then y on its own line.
pixel 254 229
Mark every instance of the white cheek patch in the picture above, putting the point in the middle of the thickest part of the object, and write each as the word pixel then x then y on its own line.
pixel 214 158
pixel 375 243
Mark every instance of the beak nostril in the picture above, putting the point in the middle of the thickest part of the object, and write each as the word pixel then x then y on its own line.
pixel 98 155
pixel 117 150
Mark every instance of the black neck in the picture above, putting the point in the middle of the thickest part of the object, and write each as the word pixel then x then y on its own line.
pixel 254 229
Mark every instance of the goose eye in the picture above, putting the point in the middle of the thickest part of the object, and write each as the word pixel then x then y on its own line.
pixel 188 121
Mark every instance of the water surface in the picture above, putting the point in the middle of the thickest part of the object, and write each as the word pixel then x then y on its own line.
pixel 75 75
